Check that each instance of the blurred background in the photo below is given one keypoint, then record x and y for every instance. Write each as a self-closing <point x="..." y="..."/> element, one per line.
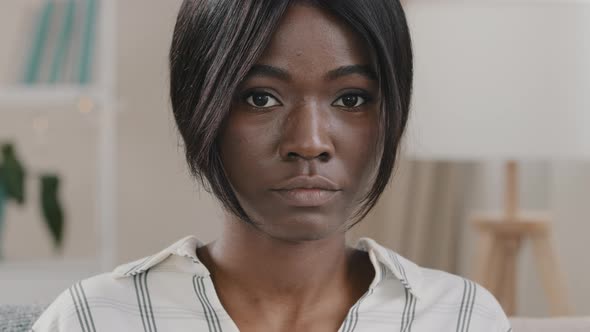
<point x="499" y="133"/>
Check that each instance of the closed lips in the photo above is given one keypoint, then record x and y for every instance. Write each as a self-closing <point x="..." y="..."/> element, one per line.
<point x="307" y="182"/>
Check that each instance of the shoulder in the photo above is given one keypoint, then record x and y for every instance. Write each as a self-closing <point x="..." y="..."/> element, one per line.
<point x="116" y="292"/>
<point x="73" y="304"/>
<point x="439" y="295"/>
<point x="471" y="304"/>
<point x="445" y="286"/>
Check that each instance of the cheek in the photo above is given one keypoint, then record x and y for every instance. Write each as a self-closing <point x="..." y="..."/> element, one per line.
<point x="244" y="148"/>
<point x="358" y="149"/>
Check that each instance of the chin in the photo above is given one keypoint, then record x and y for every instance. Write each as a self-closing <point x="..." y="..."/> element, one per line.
<point x="300" y="228"/>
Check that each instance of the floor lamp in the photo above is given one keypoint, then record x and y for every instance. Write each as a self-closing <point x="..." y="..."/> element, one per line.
<point x="503" y="81"/>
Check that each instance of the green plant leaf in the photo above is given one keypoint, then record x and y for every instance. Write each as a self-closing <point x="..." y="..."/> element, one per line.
<point x="13" y="174"/>
<point x="51" y="207"/>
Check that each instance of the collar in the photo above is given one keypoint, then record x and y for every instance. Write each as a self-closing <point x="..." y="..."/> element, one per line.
<point x="185" y="247"/>
<point x="384" y="261"/>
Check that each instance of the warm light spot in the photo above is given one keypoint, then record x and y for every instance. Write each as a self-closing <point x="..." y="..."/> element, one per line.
<point x="85" y="105"/>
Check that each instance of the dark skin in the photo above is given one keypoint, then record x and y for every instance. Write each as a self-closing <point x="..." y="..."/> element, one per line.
<point x="291" y="270"/>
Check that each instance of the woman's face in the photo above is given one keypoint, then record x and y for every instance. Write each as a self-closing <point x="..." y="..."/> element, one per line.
<point x="308" y="109"/>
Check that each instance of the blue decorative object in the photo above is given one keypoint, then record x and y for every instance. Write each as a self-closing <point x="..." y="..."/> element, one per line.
<point x="38" y="46"/>
<point x="87" y="42"/>
<point x="63" y="42"/>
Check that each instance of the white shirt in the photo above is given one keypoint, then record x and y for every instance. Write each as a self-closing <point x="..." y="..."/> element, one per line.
<point x="173" y="291"/>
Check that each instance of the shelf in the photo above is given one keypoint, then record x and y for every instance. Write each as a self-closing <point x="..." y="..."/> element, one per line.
<point x="23" y="282"/>
<point x="33" y="97"/>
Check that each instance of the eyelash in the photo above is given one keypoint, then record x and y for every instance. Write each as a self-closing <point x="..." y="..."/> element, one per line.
<point x="367" y="99"/>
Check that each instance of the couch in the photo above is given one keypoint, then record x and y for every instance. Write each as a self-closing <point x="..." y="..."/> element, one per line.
<point x="19" y="318"/>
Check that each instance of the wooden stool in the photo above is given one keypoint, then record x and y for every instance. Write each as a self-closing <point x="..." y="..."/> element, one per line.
<point x="499" y="245"/>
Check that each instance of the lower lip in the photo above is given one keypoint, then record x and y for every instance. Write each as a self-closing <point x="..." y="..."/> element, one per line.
<point x="306" y="197"/>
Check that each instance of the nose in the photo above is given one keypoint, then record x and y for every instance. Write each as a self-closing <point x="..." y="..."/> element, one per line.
<point x="305" y="135"/>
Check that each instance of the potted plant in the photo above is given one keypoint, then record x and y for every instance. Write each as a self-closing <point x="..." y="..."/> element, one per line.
<point x="12" y="188"/>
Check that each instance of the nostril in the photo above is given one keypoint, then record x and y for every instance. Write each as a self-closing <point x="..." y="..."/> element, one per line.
<point x="324" y="156"/>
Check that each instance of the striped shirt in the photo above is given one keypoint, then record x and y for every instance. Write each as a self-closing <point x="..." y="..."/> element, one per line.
<point x="173" y="291"/>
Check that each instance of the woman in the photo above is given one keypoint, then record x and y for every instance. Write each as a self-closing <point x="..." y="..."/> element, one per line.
<point x="291" y="113"/>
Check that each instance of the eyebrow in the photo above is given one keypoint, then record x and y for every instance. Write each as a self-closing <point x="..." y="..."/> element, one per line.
<point x="364" y="70"/>
<point x="281" y="74"/>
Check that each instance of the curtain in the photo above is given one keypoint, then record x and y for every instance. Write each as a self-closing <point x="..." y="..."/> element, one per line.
<point x="421" y="213"/>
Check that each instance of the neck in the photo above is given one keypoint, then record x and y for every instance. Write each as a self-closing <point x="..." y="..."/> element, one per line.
<point x="265" y="269"/>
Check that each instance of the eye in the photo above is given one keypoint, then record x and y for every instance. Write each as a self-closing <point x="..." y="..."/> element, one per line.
<point x="261" y="100"/>
<point x="350" y="101"/>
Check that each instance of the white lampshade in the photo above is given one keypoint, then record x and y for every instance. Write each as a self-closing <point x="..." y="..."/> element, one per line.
<point x="500" y="80"/>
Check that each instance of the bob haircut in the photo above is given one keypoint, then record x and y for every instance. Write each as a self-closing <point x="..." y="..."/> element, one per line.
<point x="216" y="42"/>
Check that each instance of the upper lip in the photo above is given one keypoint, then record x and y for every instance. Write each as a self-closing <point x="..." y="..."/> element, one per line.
<point x="308" y="182"/>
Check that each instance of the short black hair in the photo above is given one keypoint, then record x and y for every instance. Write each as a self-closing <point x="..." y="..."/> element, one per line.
<point x="216" y="42"/>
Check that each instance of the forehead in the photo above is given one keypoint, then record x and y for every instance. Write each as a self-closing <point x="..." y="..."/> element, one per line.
<point x="310" y="38"/>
